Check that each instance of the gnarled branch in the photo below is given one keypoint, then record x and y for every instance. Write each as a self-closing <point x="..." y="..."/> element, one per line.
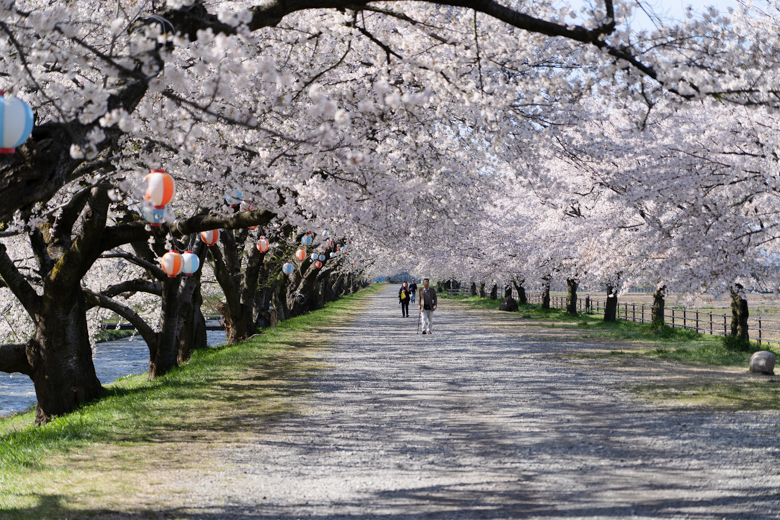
<point x="13" y="358"/>
<point x="99" y="300"/>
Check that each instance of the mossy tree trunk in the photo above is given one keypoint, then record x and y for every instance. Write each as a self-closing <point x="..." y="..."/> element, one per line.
<point x="238" y="283"/>
<point x="546" y="292"/>
<point x="494" y="292"/>
<point x="739" y="313"/>
<point x="522" y="298"/>
<point x="571" y="296"/>
<point x="59" y="356"/>
<point x="611" y="305"/>
<point x="659" y="298"/>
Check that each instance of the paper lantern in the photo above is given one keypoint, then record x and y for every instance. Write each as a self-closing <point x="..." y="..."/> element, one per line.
<point x="153" y="216"/>
<point x="332" y="255"/>
<point x="300" y="254"/>
<point x="306" y="240"/>
<point x="210" y="237"/>
<point x="160" y="188"/>
<point x="16" y="123"/>
<point x="171" y="263"/>
<point x="325" y="233"/>
<point x="317" y="264"/>
<point x="190" y="263"/>
<point x="288" y="268"/>
<point x="234" y="198"/>
<point x="245" y="206"/>
<point x="262" y="245"/>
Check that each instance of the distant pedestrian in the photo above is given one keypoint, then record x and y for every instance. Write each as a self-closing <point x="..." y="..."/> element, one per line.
<point x="427" y="305"/>
<point x="413" y="290"/>
<point x="403" y="298"/>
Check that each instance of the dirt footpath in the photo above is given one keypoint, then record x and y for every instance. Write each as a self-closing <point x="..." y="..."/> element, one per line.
<point x="479" y="420"/>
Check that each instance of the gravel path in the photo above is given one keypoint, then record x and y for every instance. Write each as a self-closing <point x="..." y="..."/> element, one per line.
<point x="472" y="422"/>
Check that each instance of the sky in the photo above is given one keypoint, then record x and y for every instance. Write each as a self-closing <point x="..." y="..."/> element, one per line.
<point x="674" y="9"/>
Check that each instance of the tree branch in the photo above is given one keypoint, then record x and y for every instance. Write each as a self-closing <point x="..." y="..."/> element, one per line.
<point x="43" y="164"/>
<point x="13" y="358"/>
<point x="133" y="286"/>
<point x="17" y="283"/>
<point x="121" y="234"/>
<point x="153" y="269"/>
<point x="99" y="300"/>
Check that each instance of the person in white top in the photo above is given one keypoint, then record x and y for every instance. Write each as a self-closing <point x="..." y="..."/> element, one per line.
<point x="427" y="305"/>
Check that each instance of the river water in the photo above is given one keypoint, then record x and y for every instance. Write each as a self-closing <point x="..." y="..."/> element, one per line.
<point x="113" y="359"/>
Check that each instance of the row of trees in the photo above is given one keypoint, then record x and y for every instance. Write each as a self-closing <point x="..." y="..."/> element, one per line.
<point x="470" y="140"/>
<point x="79" y="261"/>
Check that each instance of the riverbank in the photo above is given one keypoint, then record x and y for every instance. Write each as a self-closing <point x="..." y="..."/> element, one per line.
<point x="112" y="335"/>
<point x="131" y="442"/>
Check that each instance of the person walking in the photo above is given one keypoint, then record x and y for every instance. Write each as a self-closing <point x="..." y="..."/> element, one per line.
<point x="427" y="305"/>
<point x="413" y="289"/>
<point x="403" y="298"/>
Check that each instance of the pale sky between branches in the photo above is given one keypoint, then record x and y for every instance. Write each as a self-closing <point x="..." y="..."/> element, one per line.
<point x="667" y="9"/>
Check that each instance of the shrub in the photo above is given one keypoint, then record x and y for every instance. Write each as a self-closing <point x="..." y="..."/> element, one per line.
<point x="736" y="344"/>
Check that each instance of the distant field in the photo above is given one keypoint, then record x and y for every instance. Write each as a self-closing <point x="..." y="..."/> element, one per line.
<point x="765" y="307"/>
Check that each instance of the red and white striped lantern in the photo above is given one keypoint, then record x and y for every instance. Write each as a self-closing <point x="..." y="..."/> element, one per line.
<point x="210" y="237"/>
<point x="172" y="263"/>
<point x="317" y="264"/>
<point x="300" y="254"/>
<point x="262" y="245"/>
<point x="160" y="188"/>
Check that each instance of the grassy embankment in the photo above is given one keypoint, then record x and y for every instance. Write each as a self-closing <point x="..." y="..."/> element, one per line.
<point x="728" y="385"/>
<point x="107" y="454"/>
<point x="112" y="334"/>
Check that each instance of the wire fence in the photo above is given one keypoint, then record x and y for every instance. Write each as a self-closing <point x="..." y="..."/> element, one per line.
<point x="767" y="330"/>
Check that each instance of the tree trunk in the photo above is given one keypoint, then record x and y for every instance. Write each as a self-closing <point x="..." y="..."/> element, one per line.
<point x="546" y="292"/>
<point x="192" y="331"/>
<point x="610" y="307"/>
<point x="522" y="298"/>
<point x="238" y="287"/>
<point x="473" y="289"/>
<point x="482" y="293"/>
<point x="571" y="296"/>
<point x="494" y="292"/>
<point x="281" y="308"/>
<point x="304" y="292"/>
<point x="61" y="357"/>
<point x="739" y="313"/>
<point x="658" y="306"/>
<point x="164" y="353"/>
<point x="507" y="291"/>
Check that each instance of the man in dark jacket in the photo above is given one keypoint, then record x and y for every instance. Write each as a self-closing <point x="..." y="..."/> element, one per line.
<point x="427" y="305"/>
<point x="413" y="289"/>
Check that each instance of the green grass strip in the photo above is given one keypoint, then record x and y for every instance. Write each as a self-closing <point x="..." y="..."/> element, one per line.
<point x="675" y="344"/>
<point x="203" y="395"/>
